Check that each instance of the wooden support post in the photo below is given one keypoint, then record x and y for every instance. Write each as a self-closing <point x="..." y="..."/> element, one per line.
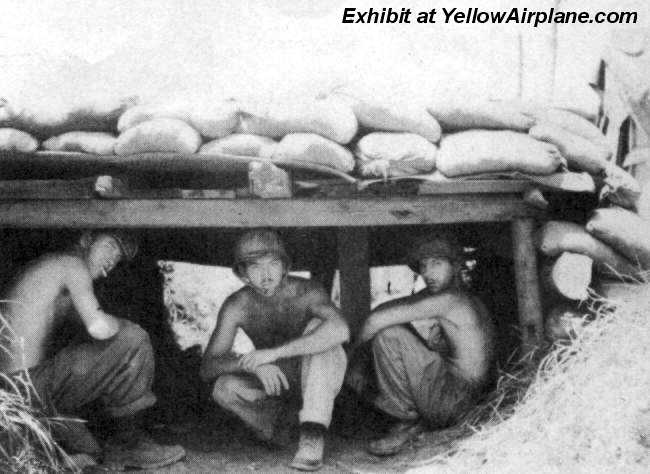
<point x="531" y="319"/>
<point x="354" y="270"/>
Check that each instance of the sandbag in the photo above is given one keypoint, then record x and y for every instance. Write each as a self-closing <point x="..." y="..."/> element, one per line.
<point x="162" y="135"/>
<point x="99" y="143"/>
<point x="241" y="144"/>
<point x="332" y="119"/>
<point x="212" y="120"/>
<point x="581" y="154"/>
<point x="625" y="231"/>
<point x="50" y="116"/>
<point x="569" y="275"/>
<point x="482" y="151"/>
<point x="17" y="140"/>
<point x="620" y="188"/>
<point x="570" y="122"/>
<point x="311" y="148"/>
<point x="383" y="154"/>
<point x="556" y="237"/>
<point x="392" y="115"/>
<point x="495" y="115"/>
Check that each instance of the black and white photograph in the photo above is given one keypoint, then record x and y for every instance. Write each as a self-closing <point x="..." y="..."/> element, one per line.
<point x="325" y="236"/>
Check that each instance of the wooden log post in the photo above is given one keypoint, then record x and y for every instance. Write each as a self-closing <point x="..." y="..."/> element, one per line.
<point x="531" y="319"/>
<point x="354" y="267"/>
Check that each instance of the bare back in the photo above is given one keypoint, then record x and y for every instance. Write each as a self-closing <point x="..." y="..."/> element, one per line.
<point x="36" y="302"/>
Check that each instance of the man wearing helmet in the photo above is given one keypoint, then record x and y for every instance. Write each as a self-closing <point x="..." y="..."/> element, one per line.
<point x="110" y="361"/>
<point x="297" y="333"/>
<point x="426" y="378"/>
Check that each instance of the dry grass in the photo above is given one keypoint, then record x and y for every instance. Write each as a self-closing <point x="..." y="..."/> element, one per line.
<point x="26" y="443"/>
<point x="585" y="408"/>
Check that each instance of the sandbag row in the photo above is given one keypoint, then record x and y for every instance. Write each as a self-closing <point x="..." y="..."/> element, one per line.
<point x="348" y="131"/>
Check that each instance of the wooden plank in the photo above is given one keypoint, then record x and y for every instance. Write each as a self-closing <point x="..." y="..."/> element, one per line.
<point x="162" y="213"/>
<point x="354" y="267"/>
<point x="48" y="189"/>
<point x="474" y="186"/>
<point x="529" y="302"/>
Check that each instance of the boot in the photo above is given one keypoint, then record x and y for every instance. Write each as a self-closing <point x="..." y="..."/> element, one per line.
<point x="130" y="447"/>
<point x="397" y="438"/>
<point x="311" y="445"/>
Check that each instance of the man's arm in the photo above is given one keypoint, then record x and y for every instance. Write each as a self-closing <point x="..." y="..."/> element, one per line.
<point x="332" y="332"/>
<point x="99" y="324"/>
<point x="219" y="358"/>
<point x="404" y="310"/>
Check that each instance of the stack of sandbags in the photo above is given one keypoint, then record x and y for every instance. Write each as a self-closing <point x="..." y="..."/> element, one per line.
<point x="84" y="124"/>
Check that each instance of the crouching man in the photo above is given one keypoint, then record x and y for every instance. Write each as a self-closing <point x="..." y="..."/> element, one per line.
<point x="297" y="333"/>
<point x="110" y="361"/>
<point x="431" y="351"/>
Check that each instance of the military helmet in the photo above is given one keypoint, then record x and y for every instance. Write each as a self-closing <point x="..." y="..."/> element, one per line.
<point x="255" y="244"/>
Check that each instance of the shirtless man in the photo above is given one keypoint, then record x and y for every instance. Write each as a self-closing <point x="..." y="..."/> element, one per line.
<point x="297" y="334"/>
<point x="110" y="362"/>
<point x="427" y="380"/>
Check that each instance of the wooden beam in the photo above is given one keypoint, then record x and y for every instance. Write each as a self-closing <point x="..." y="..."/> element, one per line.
<point x="529" y="303"/>
<point x="193" y="213"/>
<point x="354" y="267"/>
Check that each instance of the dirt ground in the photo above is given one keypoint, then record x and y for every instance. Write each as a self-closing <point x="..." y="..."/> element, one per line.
<point x="218" y="444"/>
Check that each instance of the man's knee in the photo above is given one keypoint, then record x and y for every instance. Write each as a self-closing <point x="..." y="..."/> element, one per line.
<point x="132" y="343"/>
<point x="226" y="390"/>
<point x="390" y="336"/>
<point x="132" y="335"/>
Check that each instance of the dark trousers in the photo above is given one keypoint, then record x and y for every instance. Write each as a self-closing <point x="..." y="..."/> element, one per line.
<point x="118" y="372"/>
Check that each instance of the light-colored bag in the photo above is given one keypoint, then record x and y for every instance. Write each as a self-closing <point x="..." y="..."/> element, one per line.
<point x="241" y="144"/>
<point x="625" y="231"/>
<point x="570" y="122"/>
<point x="311" y="148"/>
<point x="581" y="153"/>
<point x="331" y="119"/>
<point x="483" y="151"/>
<point x="53" y="116"/>
<point x="99" y="143"/>
<point x="392" y="115"/>
<point x="160" y="135"/>
<point x="17" y="140"/>
<point x="211" y="120"/>
<point x="556" y="237"/>
<point x="459" y="115"/>
<point x="385" y="154"/>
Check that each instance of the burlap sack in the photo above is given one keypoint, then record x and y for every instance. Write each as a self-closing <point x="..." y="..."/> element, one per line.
<point x="384" y="154"/>
<point x="392" y="115"/>
<point x="50" y="116"/>
<point x="241" y="144"/>
<point x="17" y="140"/>
<point x="211" y="120"/>
<point x="312" y="148"/>
<point x="581" y="153"/>
<point x="495" y="115"/>
<point x="99" y="143"/>
<point x="332" y="119"/>
<point x="556" y="237"/>
<point x="482" y="151"/>
<point x="625" y="231"/>
<point x="620" y="188"/>
<point x="160" y="135"/>
<point x="570" y="122"/>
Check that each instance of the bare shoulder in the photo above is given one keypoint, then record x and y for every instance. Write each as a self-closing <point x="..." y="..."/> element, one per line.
<point x="238" y="301"/>
<point x="59" y="264"/>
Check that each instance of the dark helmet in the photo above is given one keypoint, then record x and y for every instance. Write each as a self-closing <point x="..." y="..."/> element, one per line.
<point x="127" y="241"/>
<point x="255" y="244"/>
<point x="436" y="245"/>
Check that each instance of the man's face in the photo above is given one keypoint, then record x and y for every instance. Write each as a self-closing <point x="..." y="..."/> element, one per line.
<point x="437" y="272"/>
<point x="103" y="255"/>
<point x="264" y="274"/>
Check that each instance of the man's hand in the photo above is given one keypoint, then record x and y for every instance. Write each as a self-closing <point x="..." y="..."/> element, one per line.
<point x="272" y="378"/>
<point x="437" y="340"/>
<point x="104" y="326"/>
<point x="257" y="358"/>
